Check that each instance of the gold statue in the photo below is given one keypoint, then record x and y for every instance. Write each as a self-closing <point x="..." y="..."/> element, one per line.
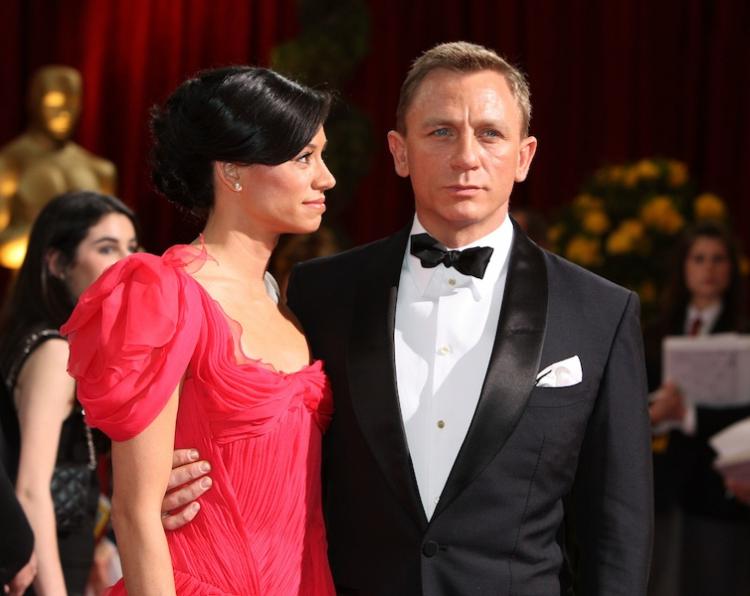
<point x="43" y="162"/>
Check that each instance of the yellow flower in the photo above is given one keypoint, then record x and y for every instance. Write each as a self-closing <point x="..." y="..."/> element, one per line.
<point x="659" y="443"/>
<point x="631" y="177"/>
<point x="673" y="223"/>
<point x="616" y="173"/>
<point x="646" y="169"/>
<point x="626" y="238"/>
<point x="554" y="233"/>
<point x="677" y="173"/>
<point x="709" y="206"/>
<point x="583" y="250"/>
<point x="596" y="222"/>
<point x="660" y="214"/>
<point x="632" y="228"/>
<point x="619" y="243"/>
<point x="585" y="202"/>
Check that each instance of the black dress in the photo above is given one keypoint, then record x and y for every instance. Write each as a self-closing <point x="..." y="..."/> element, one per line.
<point x="18" y="540"/>
<point x="76" y="545"/>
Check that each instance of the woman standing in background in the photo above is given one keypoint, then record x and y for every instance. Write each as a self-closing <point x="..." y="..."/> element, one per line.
<point x="73" y="240"/>
<point x="702" y="532"/>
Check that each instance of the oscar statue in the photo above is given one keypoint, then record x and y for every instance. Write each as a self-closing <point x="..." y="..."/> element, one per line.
<point x="44" y="162"/>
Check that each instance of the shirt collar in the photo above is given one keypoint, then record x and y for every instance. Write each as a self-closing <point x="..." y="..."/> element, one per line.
<point x="708" y="317"/>
<point x="429" y="281"/>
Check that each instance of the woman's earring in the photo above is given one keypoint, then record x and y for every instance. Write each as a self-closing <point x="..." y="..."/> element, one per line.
<point x="237" y="186"/>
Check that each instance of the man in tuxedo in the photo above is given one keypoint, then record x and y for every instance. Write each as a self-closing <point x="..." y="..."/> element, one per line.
<point x="491" y="433"/>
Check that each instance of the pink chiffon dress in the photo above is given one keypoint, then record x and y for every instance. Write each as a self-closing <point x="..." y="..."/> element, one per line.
<point x="144" y="326"/>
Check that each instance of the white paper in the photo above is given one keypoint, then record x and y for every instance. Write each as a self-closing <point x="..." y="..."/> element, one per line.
<point x="710" y="370"/>
<point x="732" y="446"/>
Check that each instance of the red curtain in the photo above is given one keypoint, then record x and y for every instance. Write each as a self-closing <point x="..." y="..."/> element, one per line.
<point x="610" y="81"/>
<point x="131" y="54"/>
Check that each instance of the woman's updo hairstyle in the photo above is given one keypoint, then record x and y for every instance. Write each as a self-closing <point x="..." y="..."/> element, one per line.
<point x="240" y="114"/>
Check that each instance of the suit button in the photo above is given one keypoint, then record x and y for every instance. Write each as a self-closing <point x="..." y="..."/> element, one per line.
<point x="430" y="548"/>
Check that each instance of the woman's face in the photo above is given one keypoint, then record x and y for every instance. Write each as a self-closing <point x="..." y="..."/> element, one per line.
<point x="707" y="269"/>
<point x="289" y="197"/>
<point x="112" y="238"/>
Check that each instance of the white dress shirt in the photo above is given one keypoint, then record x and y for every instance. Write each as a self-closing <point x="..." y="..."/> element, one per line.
<point x="445" y="329"/>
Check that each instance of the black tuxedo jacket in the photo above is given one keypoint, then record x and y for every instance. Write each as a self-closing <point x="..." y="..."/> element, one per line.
<point x="537" y="464"/>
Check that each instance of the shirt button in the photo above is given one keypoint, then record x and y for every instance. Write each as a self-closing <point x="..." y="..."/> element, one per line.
<point x="443" y="350"/>
<point x="451" y="281"/>
<point x="441" y="423"/>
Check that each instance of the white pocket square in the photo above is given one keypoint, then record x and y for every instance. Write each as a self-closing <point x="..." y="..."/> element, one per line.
<point x="561" y="374"/>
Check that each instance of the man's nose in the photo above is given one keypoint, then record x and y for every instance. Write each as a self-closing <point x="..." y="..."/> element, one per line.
<point x="465" y="155"/>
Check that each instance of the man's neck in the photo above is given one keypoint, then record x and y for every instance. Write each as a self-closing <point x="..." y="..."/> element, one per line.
<point x="457" y="236"/>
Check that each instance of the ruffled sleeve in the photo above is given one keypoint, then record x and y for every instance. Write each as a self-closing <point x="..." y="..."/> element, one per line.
<point x="131" y="337"/>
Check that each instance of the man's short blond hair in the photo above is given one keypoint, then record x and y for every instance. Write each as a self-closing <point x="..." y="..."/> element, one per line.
<point x="461" y="56"/>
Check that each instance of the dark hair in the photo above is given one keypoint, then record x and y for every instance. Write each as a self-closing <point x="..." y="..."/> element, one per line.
<point x="463" y="57"/>
<point x="240" y="114"/>
<point x="38" y="299"/>
<point x="678" y="295"/>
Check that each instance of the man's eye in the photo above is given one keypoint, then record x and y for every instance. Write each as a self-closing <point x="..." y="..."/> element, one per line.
<point x="491" y="132"/>
<point x="440" y="132"/>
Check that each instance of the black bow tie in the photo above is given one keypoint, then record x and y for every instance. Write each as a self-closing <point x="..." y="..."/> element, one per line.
<point x="471" y="261"/>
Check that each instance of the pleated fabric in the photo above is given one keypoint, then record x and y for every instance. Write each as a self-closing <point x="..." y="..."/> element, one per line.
<point x="143" y="326"/>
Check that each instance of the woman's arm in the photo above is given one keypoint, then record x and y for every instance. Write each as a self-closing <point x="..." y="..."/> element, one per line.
<point x="44" y="398"/>
<point x="141" y="472"/>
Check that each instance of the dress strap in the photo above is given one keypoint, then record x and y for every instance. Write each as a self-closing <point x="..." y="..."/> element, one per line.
<point x="30" y="343"/>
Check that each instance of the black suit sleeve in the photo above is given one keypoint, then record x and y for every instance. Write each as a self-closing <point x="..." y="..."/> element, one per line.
<point x="613" y="494"/>
<point x="17" y="543"/>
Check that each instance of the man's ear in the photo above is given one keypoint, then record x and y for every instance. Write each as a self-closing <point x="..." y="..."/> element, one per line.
<point x="526" y="153"/>
<point x="397" y="146"/>
<point x="55" y="264"/>
<point x="228" y="174"/>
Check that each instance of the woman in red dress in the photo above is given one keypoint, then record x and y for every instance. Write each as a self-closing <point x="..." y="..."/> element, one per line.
<point x="194" y="349"/>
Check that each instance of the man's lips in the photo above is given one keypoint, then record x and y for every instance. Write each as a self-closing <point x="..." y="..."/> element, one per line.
<point x="464" y="189"/>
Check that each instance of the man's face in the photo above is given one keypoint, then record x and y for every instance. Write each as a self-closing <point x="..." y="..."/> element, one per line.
<point x="463" y="151"/>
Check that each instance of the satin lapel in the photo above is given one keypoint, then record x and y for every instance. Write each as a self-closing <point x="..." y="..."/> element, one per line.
<point x="513" y="366"/>
<point x="372" y="372"/>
